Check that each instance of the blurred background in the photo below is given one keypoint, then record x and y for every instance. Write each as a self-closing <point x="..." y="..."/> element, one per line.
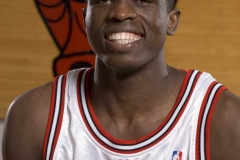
<point x="208" y="39"/>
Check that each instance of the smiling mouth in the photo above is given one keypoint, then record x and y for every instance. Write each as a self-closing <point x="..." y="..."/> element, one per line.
<point x="123" y="37"/>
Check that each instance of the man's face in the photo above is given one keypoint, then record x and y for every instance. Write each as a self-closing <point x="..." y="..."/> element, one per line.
<point x="127" y="34"/>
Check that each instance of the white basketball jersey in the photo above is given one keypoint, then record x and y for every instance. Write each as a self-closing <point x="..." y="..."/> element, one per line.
<point x="74" y="132"/>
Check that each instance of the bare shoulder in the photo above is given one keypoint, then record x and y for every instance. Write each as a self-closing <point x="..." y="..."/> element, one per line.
<point x="225" y="128"/>
<point x="25" y="124"/>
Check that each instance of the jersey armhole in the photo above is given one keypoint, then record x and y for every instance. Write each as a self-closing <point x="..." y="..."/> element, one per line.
<point x="202" y="148"/>
<point x="54" y="118"/>
<point x="209" y="120"/>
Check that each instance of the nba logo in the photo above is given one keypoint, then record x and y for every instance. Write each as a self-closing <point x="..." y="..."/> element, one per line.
<point x="177" y="155"/>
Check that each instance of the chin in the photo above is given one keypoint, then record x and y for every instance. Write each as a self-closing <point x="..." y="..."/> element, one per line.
<point x="128" y="62"/>
<point x="123" y="67"/>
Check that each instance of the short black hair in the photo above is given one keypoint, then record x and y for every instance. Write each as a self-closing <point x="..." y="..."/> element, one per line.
<point x="171" y="4"/>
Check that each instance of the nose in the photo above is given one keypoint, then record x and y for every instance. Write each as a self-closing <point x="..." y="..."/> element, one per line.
<point x="122" y="10"/>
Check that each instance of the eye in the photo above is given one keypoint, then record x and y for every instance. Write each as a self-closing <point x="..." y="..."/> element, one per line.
<point x="143" y="1"/>
<point x="105" y="1"/>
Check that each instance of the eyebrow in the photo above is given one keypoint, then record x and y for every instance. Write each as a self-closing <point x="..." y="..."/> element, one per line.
<point x="81" y="1"/>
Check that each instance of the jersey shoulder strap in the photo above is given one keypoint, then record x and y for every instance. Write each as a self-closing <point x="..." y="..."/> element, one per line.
<point x="59" y="101"/>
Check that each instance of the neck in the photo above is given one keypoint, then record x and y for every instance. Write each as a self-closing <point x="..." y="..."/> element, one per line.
<point x="133" y="94"/>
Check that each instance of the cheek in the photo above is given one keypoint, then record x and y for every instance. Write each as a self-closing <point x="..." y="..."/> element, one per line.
<point x="161" y="24"/>
<point x="156" y="34"/>
<point x="93" y="18"/>
<point x="94" y="29"/>
<point x="89" y="19"/>
<point x="159" y="29"/>
<point x="92" y="23"/>
<point x="155" y="22"/>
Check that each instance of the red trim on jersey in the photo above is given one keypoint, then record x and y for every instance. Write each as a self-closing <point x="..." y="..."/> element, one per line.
<point x="79" y="95"/>
<point x="132" y="142"/>
<point x="209" y="119"/>
<point x="60" y="116"/>
<point x="204" y="102"/>
<point x="50" y="118"/>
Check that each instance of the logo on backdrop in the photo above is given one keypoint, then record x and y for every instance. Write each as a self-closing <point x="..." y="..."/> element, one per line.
<point x="64" y="21"/>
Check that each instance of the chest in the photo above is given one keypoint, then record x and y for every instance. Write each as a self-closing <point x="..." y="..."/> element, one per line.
<point x="181" y="134"/>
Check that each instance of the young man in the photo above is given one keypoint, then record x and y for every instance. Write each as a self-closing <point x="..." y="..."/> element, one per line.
<point x="131" y="105"/>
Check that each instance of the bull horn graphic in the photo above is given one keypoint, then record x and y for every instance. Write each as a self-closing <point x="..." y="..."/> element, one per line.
<point x="64" y="21"/>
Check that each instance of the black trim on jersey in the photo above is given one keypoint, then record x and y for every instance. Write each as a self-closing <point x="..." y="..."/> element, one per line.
<point x="55" y="99"/>
<point x="205" y="151"/>
<point x="163" y="134"/>
<point x="60" y="107"/>
<point x="201" y="118"/>
<point x="180" y="111"/>
<point x="50" y="145"/>
<point x="188" y="96"/>
<point x="205" y="122"/>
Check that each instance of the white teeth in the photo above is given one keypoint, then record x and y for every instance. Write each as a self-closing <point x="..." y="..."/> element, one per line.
<point x="127" y="36"/>
<point x="111" y="36"/>
<point x="121" y="41"/>
<point x="131" y="37"/>
<point x="118" y="36"/>
<point x="123" y="37"/>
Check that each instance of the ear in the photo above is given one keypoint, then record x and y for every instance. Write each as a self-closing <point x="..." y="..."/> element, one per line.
<point x="84" y="11"/>
<point x="173" y="19"/>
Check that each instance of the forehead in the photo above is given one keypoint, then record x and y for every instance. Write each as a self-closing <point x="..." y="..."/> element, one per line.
<point x="159" y="1"/>
<point x="86" y="1"/>
<point x="160" y="5"/>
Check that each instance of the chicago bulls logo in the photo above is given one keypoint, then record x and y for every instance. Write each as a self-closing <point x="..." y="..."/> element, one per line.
<point x="64" y="21"/>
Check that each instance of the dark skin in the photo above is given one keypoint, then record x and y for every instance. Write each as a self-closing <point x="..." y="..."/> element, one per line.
<point x="139" y="87"/>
